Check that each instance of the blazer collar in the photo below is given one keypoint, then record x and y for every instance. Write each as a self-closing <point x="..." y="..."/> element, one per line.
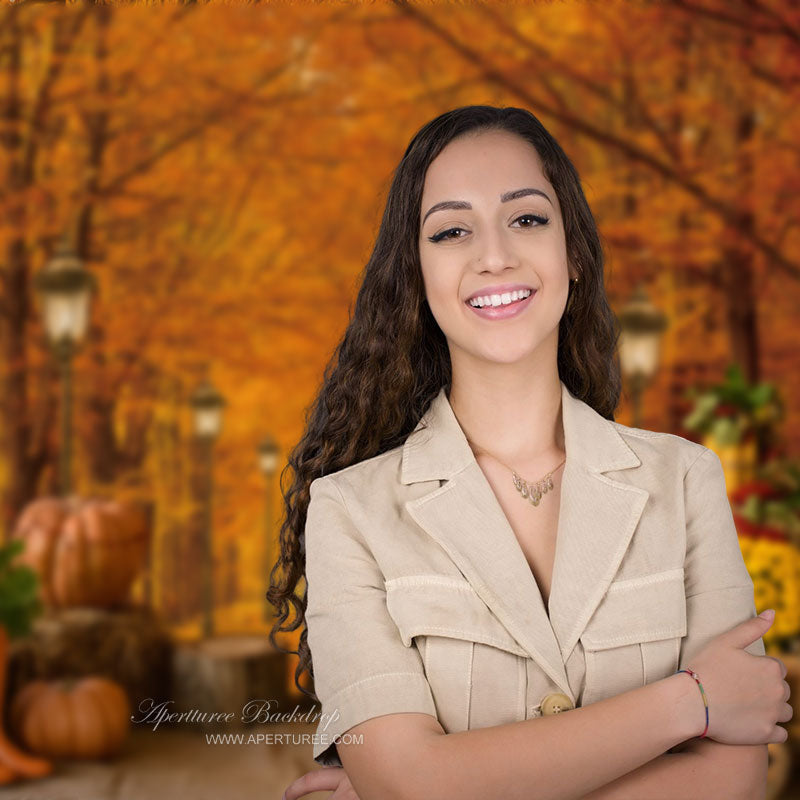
<point x="597" y="517"/>
<point x="590" y="440"/>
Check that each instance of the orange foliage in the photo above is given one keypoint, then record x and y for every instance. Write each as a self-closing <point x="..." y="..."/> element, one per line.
<point x="226" y="166"/>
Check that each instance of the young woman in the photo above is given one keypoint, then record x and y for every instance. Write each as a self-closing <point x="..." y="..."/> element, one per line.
<point x="484" y="547"/>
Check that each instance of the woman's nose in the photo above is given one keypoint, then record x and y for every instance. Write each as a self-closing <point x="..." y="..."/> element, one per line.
<point x="495" y="252"/>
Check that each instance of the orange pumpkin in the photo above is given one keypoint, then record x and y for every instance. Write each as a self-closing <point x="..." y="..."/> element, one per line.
<point x="72" y="717"/>
<point x="87" y="551"/>
<point x="14" y="763"/>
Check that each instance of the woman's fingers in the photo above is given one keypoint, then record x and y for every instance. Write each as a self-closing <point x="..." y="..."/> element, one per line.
<point x="318" y="780"/>
<point x="780" y="664"/>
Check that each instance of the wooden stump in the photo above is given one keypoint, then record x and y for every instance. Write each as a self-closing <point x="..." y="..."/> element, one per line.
<point x="223" y="675"/>
<point x="129" y="645"/>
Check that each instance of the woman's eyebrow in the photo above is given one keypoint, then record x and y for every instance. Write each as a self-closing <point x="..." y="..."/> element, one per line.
<point x="460" y="205"/>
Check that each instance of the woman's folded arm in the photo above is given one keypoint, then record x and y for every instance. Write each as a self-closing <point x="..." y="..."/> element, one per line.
<point x="703" y="769"/>
<point x="567" y="755"/>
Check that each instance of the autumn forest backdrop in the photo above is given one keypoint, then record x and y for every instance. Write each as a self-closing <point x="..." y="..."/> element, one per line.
<point x="221" y="169"/>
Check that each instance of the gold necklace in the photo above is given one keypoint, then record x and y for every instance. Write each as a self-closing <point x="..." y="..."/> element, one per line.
<point x="530" y="491"/>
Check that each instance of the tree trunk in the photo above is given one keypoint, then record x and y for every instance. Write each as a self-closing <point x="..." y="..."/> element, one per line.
<point x="738" y="262"/>
<point x="15" y="308"/>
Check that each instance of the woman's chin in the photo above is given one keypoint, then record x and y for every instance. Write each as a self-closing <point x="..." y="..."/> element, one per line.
<point x="503" y="354"/>
<point x="503" y="347"/>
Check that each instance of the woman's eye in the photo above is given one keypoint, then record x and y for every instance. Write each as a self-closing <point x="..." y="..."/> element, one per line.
<point x="444" y="235"/>
<point x="539" y="218"/>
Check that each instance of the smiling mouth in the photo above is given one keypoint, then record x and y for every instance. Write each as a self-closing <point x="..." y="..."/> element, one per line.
<point x="499" y="300"/>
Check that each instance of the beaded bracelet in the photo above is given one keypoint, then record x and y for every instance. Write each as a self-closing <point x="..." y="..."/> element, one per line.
<point x="696" y="677"/>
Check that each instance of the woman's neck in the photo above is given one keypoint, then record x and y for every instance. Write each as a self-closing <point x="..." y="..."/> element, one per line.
<point x="518" y="423"/>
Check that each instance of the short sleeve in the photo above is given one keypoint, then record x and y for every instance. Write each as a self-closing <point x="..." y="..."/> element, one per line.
<point x="719" y="589"/>
<point x="362" y="669"/>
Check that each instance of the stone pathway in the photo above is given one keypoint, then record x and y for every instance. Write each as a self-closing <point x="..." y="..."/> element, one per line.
<point x="180" y="764"/>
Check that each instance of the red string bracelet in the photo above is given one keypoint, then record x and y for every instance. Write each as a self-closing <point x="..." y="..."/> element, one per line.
<point x="691" y="673"/>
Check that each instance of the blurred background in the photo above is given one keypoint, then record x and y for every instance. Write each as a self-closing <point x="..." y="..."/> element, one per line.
<point x="189" y="193"/>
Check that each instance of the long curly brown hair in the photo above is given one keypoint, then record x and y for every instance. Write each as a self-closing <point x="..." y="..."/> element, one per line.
<point x="393" y="358"/>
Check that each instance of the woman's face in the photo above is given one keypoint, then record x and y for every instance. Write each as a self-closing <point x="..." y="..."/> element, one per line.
<point x="492" y="236"/>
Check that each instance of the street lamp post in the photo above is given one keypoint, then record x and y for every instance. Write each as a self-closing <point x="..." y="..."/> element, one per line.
<point x="65" y="290"/>
<point x="640" y="343"/>
<point x="207" y="405"/>
<point x="268" y="452"/>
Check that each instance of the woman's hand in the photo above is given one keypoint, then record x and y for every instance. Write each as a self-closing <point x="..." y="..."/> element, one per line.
<point x="320" y="780"/>
<point x="747" y="694"/>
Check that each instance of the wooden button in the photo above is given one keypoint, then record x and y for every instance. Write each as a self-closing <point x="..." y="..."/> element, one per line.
<point x="556" y="703"/>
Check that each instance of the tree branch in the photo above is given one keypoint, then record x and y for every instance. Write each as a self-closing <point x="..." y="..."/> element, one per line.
<point x="742" y="23"/>
<point x="727" y="212"/>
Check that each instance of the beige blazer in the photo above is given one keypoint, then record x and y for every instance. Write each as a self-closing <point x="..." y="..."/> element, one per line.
<point x="421" y="599"/>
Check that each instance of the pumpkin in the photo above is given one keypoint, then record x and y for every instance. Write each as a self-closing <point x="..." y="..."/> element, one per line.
<point x="87" y="551"/>
<point x="71" y="717"/>
<point x="14" y="763"/>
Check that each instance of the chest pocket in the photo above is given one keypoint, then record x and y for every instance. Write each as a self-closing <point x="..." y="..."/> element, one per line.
<point x="634" y="636"/>
<point x="475" y="668"/>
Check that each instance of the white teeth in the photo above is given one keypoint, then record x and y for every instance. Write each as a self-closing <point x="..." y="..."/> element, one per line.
<point x="499" y="299"/>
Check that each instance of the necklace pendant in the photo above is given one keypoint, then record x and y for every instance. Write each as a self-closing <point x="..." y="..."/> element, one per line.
<point x="533" y="492"/>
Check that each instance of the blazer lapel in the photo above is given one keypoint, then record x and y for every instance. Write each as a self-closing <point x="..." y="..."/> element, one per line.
<point x="597" y="517"/>
<point x="596" y="521"/>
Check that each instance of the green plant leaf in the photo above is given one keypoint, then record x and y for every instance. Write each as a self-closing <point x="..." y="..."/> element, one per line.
<point x="761" y="394"/>
<point x="751" y="508"/>
<point x="19" y="591"/>
<point x="726" y="430"/>
<point x="9" y="551"/>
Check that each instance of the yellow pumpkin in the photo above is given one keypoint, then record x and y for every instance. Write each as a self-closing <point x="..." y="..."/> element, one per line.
<point x="72" y="717"/>
<point x="87" y="551"/>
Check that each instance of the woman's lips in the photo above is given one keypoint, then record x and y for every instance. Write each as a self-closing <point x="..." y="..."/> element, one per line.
<point x="503" y="312"/>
